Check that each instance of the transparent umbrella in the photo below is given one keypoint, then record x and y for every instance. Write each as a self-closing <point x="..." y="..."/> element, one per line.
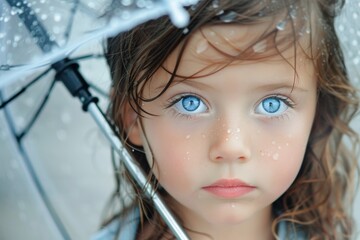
<point x="55" y="174"/>
<point x="41" y="43"/>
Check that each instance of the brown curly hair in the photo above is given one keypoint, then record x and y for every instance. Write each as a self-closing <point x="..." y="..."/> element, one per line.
<point x="320" y="199"/>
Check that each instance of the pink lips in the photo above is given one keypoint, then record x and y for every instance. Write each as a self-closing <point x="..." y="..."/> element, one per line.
<point x="229" y="188"/>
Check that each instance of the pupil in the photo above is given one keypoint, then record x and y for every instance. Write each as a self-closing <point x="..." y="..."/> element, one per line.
<point x="191" y="103"/>
<point x="271" y="105"/>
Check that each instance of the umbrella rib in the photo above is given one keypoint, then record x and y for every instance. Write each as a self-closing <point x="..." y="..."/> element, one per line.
<point x="26" y="160"/>
<point x="37" y="113"/>
<point x="23" y="89"/>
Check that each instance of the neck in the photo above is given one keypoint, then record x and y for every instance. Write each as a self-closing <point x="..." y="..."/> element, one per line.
<point x="258" y="227"/>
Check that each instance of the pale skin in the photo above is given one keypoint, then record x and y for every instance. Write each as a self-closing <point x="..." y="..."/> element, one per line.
<point x="227" y="132"/>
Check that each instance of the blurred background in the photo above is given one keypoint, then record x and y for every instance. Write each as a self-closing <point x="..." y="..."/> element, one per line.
<point x="69" y="154"/>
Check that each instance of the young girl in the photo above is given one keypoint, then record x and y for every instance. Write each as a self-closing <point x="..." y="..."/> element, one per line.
<point x="239" y="120"/>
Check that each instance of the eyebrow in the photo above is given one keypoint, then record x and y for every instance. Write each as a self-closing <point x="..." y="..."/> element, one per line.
<point x="281" y="84"/>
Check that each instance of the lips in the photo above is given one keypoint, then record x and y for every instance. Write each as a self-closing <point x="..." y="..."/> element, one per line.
<point x="229" y="188"/>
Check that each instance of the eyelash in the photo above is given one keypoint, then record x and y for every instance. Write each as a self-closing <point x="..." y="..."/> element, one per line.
<point x="286" y="100"/>
<point x="173" y="101"/>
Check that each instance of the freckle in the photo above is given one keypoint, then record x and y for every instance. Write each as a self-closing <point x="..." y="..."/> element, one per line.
<point x="202" y="46"/>
<point x="276" y="156"/>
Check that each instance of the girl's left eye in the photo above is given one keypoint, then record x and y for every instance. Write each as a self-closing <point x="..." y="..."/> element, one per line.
<point x="190" y="105"/>
<point x="273" y="106"/>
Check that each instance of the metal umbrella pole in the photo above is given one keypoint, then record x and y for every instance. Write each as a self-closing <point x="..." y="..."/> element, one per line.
<point x="67" y="72"/>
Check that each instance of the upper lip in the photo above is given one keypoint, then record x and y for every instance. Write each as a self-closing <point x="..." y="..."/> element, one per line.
<point x="228" y="183"/>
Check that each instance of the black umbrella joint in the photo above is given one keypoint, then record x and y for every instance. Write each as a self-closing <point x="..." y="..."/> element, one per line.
<point x="67" y="71"/>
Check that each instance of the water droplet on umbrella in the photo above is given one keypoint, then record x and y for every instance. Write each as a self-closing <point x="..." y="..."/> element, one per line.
<point x="61" y="134"/>
<point x="44" y="16"/>
<point x="57" y="17"/>
<point x="15" y="11"/>
<point x="2" y="34"/>
<point x="126" y="2"/>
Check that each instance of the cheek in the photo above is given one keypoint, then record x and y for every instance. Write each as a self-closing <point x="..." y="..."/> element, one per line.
<point x="174" y="151"/>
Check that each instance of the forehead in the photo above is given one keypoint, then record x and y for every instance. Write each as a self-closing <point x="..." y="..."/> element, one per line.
<point x="215" y="45"/>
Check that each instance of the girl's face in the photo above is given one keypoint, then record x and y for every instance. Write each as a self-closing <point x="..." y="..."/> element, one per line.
<point x="228" y="144"/>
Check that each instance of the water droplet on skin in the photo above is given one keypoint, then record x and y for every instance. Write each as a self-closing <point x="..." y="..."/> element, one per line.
<point x="262" y="153"/>
<point x="203" y="135"/>
<point x="260" y="47"/>
<point x="226" y="139"/>
<point x="238" y="130"/>
<point x="287" y="144"/>
<point x="202" y="46"/>
<point x="279" y="147"/>
<point x="187" y="137"/>
<point x="215" y="4"/>
<point x="275" y="156"/>
<point x="233" y="205"/>
<point x="281" y="25"/>
<point x="273" y="142"/>
<point x="228" y="131"/>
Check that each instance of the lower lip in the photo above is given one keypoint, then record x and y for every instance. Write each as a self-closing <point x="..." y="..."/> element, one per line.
<point x="229" y="192"/>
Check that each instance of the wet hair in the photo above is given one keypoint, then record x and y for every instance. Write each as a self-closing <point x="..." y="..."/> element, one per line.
<point x="319" y="200"/>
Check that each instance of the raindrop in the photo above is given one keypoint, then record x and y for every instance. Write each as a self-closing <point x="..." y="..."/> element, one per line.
<point x="356" y="61"/>
<point x="293" y="13"/>
<point x="185" y="31"/>
<point x="65" y="118"/>
<point x="15" y="10"/>
<point x="125" y="15"/>
<point x="17" y="38"/>
<point x="18" y="4"/>
<point x="281" y="25"/>
<point x="44" y="16"/>
<point x="215" y="3"/>
<point x="6" y="19"/>
<point x="126" y="2"/>
<point x="276" y="156"/>
<point x="355" y="15"/>
<point x="14" y="45"/>
<point x="42" y="1"/>
<point x="202" y="46"/>
<point x="2" y="34"/>
<point x="354" y="43"/>
<point x="57" y="17"/>
<point x="228" y="17"/>
<point x="20" y="24"/>
<point x="61" y="135"/>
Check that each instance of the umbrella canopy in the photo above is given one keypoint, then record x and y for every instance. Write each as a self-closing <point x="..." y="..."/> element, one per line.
<point x="56" y="172"/>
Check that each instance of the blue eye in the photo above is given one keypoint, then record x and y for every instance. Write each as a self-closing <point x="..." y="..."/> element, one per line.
<point x="190" y="104"/>
<point x="272" y="106"/>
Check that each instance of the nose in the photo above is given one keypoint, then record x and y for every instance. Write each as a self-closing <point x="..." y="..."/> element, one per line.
<point x="230" y="144"/>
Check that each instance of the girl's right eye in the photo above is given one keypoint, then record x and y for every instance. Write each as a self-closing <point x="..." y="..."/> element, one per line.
<point x="189" y="105"/>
